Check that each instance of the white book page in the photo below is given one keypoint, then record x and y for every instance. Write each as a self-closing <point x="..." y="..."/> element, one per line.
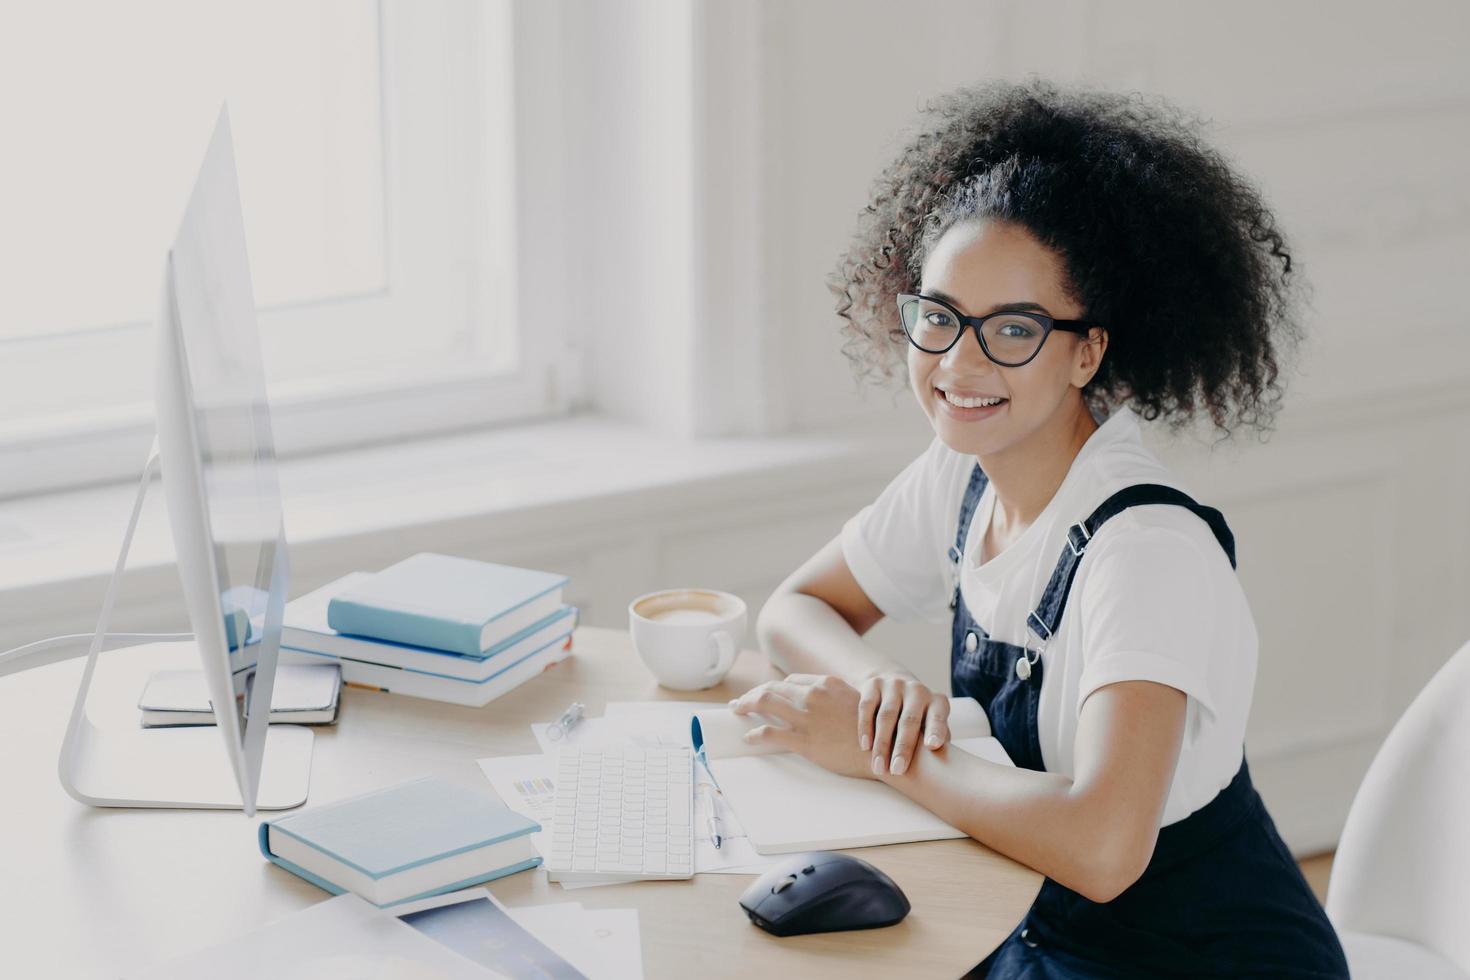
<point x="786" y="803"/>
<point x="724" y="731"/>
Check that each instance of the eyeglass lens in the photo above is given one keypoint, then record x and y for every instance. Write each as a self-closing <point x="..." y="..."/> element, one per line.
<point x="1009" y="337"/>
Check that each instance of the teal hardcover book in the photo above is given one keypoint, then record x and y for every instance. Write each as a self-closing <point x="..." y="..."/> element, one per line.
<point x="405" y="842"/>
<point x="459" y="605"/>
<point x="305" y="628"/>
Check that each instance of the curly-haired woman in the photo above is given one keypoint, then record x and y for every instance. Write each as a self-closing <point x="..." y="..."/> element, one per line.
<point x="1055" y="263"/>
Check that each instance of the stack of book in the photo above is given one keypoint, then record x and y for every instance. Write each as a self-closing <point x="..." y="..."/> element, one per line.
<point x="434" y="626"/>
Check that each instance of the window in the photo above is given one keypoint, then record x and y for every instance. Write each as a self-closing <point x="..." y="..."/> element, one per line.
<point x="374" y="143"/>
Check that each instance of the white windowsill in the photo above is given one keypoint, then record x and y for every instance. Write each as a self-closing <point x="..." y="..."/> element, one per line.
<point x="513" y="480"/>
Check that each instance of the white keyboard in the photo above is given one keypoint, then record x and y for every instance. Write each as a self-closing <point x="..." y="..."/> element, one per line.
<point x="622" y="813"/>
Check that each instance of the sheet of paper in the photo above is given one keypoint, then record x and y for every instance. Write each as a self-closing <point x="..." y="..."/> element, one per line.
<point x="615" y="708"/>
<point x="603" y="943"/>
<point x="332" y="940"/>
<point x="649" y="723"/>
<point x="788" y="803"/>
<point x="571" y="886"/>
<point x="650" y="729"/>
<point x="523" y="783"/>
<point x="482" y="931"/>
<point x="560" y="924"/>
<point x="736" y="854"/>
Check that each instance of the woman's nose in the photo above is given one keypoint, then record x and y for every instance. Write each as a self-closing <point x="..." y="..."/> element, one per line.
<point x="968" y="352"/>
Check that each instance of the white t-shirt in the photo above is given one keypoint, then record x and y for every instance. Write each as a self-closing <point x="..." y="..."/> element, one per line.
<point x="1154" y="597"/>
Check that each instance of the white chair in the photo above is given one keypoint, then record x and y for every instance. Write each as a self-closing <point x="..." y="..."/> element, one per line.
<point x="1399" y="894"/>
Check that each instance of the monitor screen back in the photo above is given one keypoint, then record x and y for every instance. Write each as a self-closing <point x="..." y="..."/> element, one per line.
<point x="218" y="455"/>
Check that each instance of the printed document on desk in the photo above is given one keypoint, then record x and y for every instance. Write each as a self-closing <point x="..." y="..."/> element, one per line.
<point x="341" y="937"/>
<point x="483" y="931"/>
<point x="787" y="803"/>
<point x="605" y="944"/>
<point x="524" y="783"/>
<point x="644" y="724"/>
<point x="600" y="944"/>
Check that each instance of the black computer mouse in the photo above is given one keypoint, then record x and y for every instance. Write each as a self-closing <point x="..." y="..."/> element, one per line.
<point x="823" y="891"/>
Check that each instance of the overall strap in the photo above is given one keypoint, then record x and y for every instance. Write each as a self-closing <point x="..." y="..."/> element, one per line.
<point x="976" y="487"/>
<point x="1047" y="616"/>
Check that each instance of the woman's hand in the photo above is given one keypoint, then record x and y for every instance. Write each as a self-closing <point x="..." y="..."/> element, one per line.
<point x="817" y="712"/>
<point x="892" y="710"/>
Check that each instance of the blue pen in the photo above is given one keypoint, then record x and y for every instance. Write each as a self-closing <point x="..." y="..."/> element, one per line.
<point x="715" y="836"/>
<point x="704" y="761"/>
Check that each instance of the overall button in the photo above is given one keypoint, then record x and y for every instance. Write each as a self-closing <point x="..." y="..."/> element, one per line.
<point x="1025" y="938"/>
<point x="971" y="642"/>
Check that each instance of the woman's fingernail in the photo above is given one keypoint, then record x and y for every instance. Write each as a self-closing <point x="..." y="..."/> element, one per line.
<point x="865" y="742"/>
<point x="877" y="766"/>
<point x="898" y="766"/>
<point x="932" y="741"/>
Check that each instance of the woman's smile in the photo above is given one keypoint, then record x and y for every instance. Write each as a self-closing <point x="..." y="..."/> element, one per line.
<point x="972" y="408"/>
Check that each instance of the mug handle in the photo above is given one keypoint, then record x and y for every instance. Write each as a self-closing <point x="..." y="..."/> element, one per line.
<point x="725" y="655"/>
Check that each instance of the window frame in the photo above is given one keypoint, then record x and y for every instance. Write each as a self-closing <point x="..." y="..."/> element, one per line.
<point x="451" y="253"/>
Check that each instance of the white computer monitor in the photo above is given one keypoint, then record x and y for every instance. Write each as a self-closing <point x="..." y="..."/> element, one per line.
<point x="217" y="454"/>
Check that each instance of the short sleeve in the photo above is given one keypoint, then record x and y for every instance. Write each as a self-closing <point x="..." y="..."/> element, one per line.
<point x="1147" y="613"/>
<point x="896" y="547"/>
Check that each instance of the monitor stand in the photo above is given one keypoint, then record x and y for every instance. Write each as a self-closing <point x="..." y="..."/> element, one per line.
<point x="189" y="768"/>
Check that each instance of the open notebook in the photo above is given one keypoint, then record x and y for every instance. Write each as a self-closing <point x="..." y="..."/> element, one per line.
<point x="787" y="803"/>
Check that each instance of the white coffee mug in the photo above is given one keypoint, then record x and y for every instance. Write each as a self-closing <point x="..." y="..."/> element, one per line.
<point x="688" y="638"/>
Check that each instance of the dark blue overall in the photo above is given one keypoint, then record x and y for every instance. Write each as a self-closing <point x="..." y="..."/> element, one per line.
<point x="1221" y="895"/>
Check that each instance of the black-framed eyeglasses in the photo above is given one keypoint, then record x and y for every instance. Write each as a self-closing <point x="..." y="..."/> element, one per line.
<point x="1010" y="338"/>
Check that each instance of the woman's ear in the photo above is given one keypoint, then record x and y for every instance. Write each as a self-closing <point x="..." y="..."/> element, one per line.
<point x="1088" y="356"/>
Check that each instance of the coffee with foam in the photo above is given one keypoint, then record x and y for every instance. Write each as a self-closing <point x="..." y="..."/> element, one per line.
<point x="688" y="638"/>
<point x="685" y="616"/>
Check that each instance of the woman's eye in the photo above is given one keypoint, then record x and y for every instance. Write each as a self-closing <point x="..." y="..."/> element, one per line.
<point x="938" y="319"/>
<point x="1014" y="329"/>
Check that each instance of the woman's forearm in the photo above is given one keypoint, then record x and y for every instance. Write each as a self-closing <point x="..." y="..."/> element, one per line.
<point x="804" y="635"/>
<point x="1094" y="837"/>
<point x="1085" y="842"/>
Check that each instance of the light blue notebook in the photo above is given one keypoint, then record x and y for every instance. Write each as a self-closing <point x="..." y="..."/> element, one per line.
<point x="460" y="605"/>
<point x="405" y="842"/>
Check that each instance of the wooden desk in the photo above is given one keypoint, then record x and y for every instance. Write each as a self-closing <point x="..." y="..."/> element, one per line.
<point x="110" y="892"/>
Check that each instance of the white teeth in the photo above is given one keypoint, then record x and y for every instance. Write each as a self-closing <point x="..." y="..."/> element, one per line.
<point x="971" y="402"/>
